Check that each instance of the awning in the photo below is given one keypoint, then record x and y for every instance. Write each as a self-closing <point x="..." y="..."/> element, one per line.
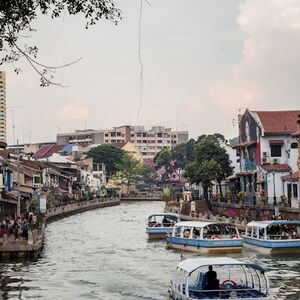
<point x="276" y="142"/>
<point x="243" y="145"/>
<point x="277" y="167"/>
<point x="245" y="173"/>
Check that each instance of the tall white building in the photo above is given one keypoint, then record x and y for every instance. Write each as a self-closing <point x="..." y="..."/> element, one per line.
<point x="2" y="107"/>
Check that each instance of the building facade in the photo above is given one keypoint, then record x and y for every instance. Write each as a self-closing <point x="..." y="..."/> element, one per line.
<point x="268" y="154"/>
<point x="3" y="134"/>
<point x="148" y="142"/>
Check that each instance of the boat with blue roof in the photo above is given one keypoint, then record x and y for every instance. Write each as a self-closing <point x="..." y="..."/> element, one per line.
<point x="161" y="224"/>
<point x="205" y="237"/>
<point x="273" y="237"/>
<point x="219" y="278"/>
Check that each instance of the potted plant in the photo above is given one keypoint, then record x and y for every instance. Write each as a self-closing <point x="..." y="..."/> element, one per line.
<point x="283" y="199"/>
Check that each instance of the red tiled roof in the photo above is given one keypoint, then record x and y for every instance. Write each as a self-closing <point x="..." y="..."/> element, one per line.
<point x="32" y="164"/>
<point x="277" y="167"/>
<point x="279" y="121"/>
<point x="294" y="177"/>
<point x="119" y="145"/>
<point x="42" y="151"/>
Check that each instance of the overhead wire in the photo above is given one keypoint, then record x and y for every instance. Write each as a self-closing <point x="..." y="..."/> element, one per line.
<point x="140" y="61"/>
<point x="140" y="58"/>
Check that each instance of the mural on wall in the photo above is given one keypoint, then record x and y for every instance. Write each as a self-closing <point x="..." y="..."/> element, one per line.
<point x="249" y="129"/>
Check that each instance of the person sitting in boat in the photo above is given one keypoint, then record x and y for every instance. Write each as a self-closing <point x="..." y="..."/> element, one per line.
<point x="211" y="282"/>
<point x="166" y="222"/>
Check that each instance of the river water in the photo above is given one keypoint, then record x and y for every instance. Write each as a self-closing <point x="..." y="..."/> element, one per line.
<point x="104" y="254"/>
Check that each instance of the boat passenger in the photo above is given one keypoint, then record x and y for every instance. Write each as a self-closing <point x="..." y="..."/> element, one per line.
<point x="211" y="282"/>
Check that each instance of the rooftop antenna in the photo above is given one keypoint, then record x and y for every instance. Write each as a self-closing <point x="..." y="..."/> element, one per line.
<point x="13" y="108"/>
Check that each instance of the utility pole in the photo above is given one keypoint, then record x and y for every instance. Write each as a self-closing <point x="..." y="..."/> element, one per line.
<point x="13" y="108"/>
<point x="18" y="183"/>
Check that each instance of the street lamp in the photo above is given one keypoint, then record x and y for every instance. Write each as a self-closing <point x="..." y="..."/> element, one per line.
<point x="274" y="197"/>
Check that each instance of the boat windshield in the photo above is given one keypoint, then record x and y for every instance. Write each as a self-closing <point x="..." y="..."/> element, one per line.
<point x="162" y="220"/>
<point x="227" y="281"/>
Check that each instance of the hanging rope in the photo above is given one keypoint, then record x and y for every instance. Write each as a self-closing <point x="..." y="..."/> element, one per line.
<point x="140" y="61"/>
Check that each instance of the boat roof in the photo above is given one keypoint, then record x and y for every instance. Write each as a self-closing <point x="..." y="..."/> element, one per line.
<point x="201" y="224"/>
<point x="164" y="214"/>
<point x="264" y="224"/>
<point x="190" y="265"/>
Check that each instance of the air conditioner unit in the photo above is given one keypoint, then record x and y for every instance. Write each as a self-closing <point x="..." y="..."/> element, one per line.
<point x="265" y="160"/>
<point x="275" y="161"/>
<point x="265" y="154"/>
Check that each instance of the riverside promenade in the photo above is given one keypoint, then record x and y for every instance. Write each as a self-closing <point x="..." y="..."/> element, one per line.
<point x="19" y="248"/>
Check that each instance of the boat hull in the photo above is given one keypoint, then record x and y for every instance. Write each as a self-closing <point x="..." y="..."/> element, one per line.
<point x="273" y="246"/>
<point x="205" y="246"/>
<point x="155" y="233"/>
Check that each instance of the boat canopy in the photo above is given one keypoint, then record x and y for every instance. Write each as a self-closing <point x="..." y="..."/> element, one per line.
<point x="201" y="224"/>
<point x="265" y="224"/>
<point x="190" y="265"/>
<point x="164" y="214"/>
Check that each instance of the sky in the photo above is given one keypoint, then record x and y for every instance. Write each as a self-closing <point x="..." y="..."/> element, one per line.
<point x="204" y="62"/>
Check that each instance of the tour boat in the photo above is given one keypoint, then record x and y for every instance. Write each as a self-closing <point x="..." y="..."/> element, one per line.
<point x="273" y="237"/>
<point x="228" y="279"/>
<point x="161" y="224"/>
<point x="205" y="237"/>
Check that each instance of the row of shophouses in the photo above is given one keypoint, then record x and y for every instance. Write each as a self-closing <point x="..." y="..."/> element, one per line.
<point x="266" y="159"/>
<point x="57" y="175"/>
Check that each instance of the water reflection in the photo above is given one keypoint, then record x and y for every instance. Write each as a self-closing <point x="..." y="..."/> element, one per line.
<point x="104" y="254"/>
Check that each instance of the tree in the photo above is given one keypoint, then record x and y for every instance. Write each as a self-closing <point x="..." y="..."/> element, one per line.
<point x="211" y="162"/>
<point x="17" y="16"/>
<point x="107" y="154"/>
<point x="130" y="169"/>
<point x="164" y="160"/>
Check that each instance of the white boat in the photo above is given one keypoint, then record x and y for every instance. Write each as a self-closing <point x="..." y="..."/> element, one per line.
<point x="228" y="279"/>
<point x="161" y="224"/>
<point x="205" y="237"/>
<point x="273" y="237"/>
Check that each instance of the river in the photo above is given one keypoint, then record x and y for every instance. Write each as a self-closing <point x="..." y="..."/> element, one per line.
<point x="104" y="254"/>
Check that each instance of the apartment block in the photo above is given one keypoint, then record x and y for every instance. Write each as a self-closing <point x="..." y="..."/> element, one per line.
<point x="2" y="107"/>
<point x="148" y="142"/>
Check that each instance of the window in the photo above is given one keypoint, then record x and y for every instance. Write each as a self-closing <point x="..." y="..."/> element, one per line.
<point x="159" y="135"/>
<point x="275" y="150"/>
<point x="118" y="133"/>
<point x="159" y="141"/>
<point x="113" y="133"/>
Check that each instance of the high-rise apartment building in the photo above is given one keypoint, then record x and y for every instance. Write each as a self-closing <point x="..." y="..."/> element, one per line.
<point x="147" y="141"/>
<point x="2" y="107"/>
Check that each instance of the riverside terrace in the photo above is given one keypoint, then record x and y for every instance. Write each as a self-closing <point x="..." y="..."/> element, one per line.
<point x="10" y="247"/>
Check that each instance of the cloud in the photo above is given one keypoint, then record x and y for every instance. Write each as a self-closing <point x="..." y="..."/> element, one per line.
<point x="74" y="112"/>
<point x="267" y="77"/>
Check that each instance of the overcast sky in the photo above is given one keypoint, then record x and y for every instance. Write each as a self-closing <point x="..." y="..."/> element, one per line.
<point x="203" y="61"/>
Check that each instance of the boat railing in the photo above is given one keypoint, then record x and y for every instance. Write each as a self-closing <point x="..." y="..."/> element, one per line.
<point x="282" y="237"/>
<point x="229" y="293"/>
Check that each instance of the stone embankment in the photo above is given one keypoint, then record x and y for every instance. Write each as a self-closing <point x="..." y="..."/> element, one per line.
<point x="10" y="247"/>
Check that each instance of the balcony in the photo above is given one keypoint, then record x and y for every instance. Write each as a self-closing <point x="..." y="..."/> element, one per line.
<point x="248" y="165"/>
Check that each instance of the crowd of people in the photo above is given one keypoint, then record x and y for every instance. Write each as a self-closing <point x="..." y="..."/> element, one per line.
<point x="18" y="227"/>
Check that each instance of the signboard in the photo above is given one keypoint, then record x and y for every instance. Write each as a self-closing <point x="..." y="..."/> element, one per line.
<point x="42" y="204"/>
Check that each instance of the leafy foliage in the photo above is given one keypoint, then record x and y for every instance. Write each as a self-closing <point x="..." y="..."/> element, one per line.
<point x="164" y="159"/>
<point x="211" y="161"/>
<point x="17" y="16"/>
<point x="108" y="155"/>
